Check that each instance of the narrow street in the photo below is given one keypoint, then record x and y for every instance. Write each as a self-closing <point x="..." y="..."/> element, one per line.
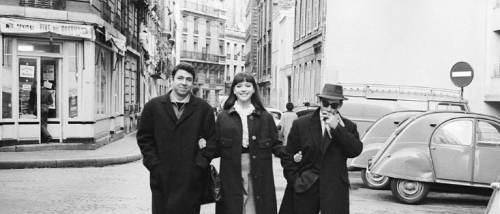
<point x="124" y="188"/>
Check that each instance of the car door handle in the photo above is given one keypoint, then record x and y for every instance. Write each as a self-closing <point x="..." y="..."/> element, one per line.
<point x="433" y="148"/>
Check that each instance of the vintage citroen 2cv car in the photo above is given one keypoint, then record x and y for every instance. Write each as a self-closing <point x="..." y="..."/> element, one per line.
<point x="436" y="149"/>
<point x="373" y="139"/>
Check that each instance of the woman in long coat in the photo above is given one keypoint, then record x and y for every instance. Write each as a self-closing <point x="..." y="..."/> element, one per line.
<point x="247" y="138"/>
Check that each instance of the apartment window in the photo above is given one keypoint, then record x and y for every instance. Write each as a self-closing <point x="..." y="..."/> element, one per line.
<point x="221" y="49"/>
<point x="243" y="49"/>
<point x="235" y="52"/>
<point x="208" y="28"/>
<point x="297" y="19"/>
<point x="195" y="25"/>
<point x="195" y="46"/>
<point x="309" y="15"/>
<point x="234" y="71"/>
<point x="228" y="54"/>
<point x="315" y="14"/>
<point x="184" y="42"/>
<point x="221" y="29"/>
<point x="207" y="76"/>
<point x="242" y="68"/>
<point x="184" y="24"/>
<point x="303" y="18"/>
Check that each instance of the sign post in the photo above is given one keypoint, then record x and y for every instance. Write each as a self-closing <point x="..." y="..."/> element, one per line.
<point x="461" y="75"/>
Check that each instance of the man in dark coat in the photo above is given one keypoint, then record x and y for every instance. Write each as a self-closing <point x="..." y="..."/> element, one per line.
<point x="168" y="135"/>
<point x="319" y="182"/>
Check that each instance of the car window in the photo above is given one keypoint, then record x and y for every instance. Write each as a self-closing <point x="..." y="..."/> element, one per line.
<point x="488" y="134"/>
<point x="276" y="115"/>
<point x="450" y="106"/>
<point x="454" y="133"/>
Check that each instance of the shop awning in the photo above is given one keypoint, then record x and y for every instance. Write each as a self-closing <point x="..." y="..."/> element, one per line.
<point x="10" y="25"/>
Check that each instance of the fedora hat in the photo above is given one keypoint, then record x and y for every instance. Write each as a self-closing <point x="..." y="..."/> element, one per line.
<point x="332" y="92"/>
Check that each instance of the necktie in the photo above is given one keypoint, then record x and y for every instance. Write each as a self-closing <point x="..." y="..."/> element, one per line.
<point x="179" y="106"/>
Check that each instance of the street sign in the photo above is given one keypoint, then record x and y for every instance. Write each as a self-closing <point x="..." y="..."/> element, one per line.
<point x="461" y="74"/>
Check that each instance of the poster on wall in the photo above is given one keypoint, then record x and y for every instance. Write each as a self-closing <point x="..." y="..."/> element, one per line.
<point x="27" y="71"/>
<point x="48" y="72"/>
<point x="73" y="106"/>
<point x="53" y="94"/>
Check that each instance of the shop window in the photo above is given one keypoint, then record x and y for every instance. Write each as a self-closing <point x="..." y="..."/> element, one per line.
<point x="7" y="79"/>
<point x="28" y="88"/>
<point x="50" y="72"/>
<point x="102" y="72"/>
<point x="73" y="83"/>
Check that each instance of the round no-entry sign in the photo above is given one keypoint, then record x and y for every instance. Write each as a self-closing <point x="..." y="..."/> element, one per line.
<point x="461" y="74"/>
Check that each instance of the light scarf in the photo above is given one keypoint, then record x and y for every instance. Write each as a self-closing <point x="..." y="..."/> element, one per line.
<point x="244" y="121"/>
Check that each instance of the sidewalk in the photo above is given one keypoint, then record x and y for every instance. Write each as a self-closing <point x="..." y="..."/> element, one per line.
<point x="121" y="151"/>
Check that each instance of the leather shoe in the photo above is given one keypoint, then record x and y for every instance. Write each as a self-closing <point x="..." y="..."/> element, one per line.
<point x="48" y="139"/>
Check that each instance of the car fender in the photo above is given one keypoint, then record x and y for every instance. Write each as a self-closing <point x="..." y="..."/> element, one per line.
<point x="408" y="163"/>
<point x="369" y="150"/>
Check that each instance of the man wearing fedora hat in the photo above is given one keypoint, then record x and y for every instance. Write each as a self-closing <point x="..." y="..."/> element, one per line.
<point x="319" y="182"/>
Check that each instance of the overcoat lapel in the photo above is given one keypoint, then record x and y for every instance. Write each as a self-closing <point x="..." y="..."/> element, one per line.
<point x="315" y="129"/>
<point x="167" y="106"/>
<point x="188" y="109"/>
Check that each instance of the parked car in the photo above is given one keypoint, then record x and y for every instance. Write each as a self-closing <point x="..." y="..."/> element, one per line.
<point x="373" y="139"/>
<point x="368" y="102"/>
<point x="276" y="115"/>
<point x="494" y="204"/>
<point x="304" y="110"/>
<point x="440" y="149"/>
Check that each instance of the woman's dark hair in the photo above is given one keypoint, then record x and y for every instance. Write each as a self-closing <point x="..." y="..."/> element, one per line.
<point x="255" y="99"/>
<point x="184" y="66"/>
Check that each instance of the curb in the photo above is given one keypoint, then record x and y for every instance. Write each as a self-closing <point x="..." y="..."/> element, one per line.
<point x="61" y="163"/>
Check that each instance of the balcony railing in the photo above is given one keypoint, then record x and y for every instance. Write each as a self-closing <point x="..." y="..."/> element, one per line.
<point x="218" y="80"/>
<point x="200" y="8"/>
<point x="47" y="4"/>
<point x="200" y="56"/>
<point x="207" y="80"/>
<point x="222" y="59"/>
<point x="228" y="78"/>
<point x="228" y="56"/>
<point x="235" y="57"/>
<point x="106" y="12"/>
<point x="244" y="58"/>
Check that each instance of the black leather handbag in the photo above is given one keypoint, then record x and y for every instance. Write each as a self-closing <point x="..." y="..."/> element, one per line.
<point x="211" y="186"/>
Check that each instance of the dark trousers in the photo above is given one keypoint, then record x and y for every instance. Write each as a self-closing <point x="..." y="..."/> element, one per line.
<point x="307" y="202"/>
<point x="45" y="133"/>
<point x="159" y="202"/>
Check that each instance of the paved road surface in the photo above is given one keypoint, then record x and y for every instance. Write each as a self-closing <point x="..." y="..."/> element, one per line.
<point x="124" y="188"/>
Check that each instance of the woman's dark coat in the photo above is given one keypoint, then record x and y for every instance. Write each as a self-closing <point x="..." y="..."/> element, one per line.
<point x="263" y="142"/>
<point x="306" y="132"/>
<point x="171" y="151"/>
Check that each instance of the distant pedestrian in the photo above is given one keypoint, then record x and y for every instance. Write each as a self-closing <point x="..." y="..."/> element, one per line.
<point x="246" y="141"/>
<point x="319" y="182"/>
<point x="45" y="101"/>
<point x="286" y="122"/>
<point x="168" y="135"/>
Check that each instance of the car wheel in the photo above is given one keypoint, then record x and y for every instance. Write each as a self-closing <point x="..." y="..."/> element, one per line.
<point x="374" y="181"/>
<point x="409" y="192"/>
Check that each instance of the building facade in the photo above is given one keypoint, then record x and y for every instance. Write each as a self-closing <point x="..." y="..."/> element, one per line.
<point x="201" y="37"/>
<point x="407" y="43"/>
<point x="251" y="16"/>
<point x="235" y="55"/>
<point x="307" y="51"/>
<point x="90" y="56"/>
<point x="282" y="49"/>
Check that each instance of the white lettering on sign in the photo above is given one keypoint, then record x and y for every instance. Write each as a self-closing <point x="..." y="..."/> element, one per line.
<point x="461" y="73"/>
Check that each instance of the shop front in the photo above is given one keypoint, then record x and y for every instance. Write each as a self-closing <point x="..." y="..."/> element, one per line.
<point x="84" y="78"/>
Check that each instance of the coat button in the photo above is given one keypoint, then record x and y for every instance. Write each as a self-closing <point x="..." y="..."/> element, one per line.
<point x="253" y="137"/>
<point x="254" y="157"/>
<point x="251" y="117"/>
<point x="258" y="197"/>
<point x="267" y="144"/>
